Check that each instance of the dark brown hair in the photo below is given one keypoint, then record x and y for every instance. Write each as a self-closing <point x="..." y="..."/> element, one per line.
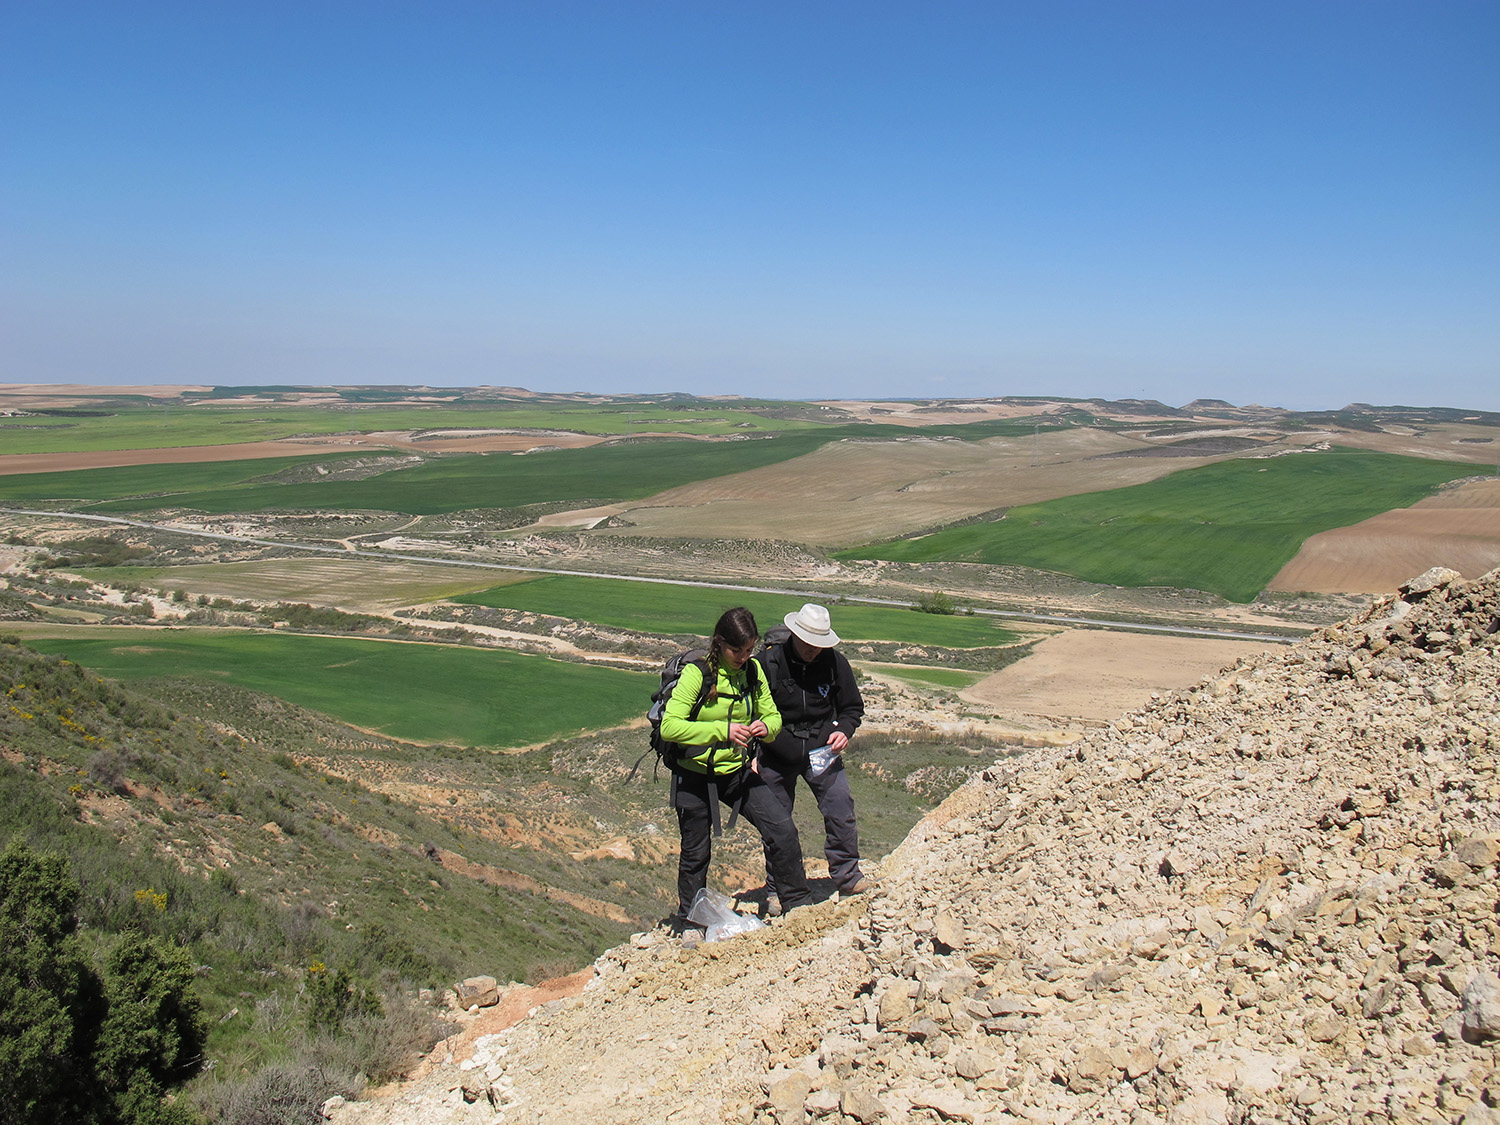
<point x="735" y="629"/>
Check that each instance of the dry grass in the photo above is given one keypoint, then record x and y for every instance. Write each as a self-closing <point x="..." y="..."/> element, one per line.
<point x="852" y="492"/>
<point x="353" y="584"/>
<point x="1094" y="675"/>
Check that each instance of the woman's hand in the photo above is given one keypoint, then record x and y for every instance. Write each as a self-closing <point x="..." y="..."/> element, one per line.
<point x="837" y="741"/>
<point x="741" y="734"/>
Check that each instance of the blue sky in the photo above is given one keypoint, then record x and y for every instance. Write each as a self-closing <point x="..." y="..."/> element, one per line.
<point x="1290" y="203"/>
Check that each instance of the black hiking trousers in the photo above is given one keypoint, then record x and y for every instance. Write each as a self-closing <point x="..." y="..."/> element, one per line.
<point x="783" y="850"/>
<point x="831" y="790"/>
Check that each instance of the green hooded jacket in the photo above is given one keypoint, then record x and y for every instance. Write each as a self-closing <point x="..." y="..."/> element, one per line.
<point x="709" y="733"/>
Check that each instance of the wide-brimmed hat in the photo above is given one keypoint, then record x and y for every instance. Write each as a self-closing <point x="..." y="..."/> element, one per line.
<point x="811" y="624"/>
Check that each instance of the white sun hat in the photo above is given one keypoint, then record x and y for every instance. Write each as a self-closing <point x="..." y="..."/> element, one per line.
<point x="811" y="624"/>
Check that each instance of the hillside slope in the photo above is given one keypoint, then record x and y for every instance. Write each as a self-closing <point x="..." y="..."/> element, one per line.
<point x="1268" y="898"/>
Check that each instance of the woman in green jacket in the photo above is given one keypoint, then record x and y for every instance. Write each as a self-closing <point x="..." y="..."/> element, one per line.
<point x="719" y="712"/>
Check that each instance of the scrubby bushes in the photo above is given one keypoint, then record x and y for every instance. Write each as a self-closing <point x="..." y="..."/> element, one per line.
<point x="76" y="1044"/>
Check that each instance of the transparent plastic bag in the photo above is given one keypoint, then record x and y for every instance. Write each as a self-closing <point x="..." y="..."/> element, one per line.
<point x="715" y="912"/>
<point x="819" y="760"/>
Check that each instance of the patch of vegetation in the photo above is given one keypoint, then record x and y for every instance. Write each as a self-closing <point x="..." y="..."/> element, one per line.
<point x="1225" y="528"/>
<point x="83" y="1042"/>
<point x="422" y="692"/>
<point x="93" y="551"/>
<point x="659" y="607"/>
<point x="936" y="602"/>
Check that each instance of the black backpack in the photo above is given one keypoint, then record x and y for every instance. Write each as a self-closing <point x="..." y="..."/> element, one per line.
<point x="670" y="753"/>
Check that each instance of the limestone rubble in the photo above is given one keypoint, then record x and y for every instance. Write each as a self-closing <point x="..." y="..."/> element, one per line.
<point x="1271" y="897"/>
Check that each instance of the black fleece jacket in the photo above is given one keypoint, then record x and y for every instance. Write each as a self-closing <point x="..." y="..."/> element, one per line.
<point x="812" y="696"/>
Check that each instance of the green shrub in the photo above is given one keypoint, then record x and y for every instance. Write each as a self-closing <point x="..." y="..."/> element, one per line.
<point x="334" y="998"/>
<point x="76" y="1046"/>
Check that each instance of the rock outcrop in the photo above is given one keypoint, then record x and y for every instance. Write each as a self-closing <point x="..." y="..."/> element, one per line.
<point x="1271" y="897"/>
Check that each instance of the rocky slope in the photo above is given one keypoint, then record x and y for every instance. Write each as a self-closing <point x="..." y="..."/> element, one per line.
<point x="1271" y="897"/>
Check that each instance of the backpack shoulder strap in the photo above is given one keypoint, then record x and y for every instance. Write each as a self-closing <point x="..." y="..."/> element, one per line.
<point x="703" y="689"/>
<point x="752" y="686"/>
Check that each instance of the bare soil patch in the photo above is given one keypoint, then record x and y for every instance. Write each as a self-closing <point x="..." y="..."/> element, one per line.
<point x="1453" y="441"/>
<point x="1459" y="528"/>
<point x="1097" y="676"/>
<point x="357" y="585"/>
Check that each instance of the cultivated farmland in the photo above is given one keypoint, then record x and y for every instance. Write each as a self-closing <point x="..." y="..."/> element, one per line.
<point x="414" y="692"/>
<point x="1227" y="528"/>
<point x="1459" y="525"/>
<point x="661" y="608"/>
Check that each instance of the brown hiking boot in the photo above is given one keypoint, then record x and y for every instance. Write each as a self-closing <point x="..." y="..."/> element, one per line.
<point x="773" y="906"/>
<point x="859" y="886"/>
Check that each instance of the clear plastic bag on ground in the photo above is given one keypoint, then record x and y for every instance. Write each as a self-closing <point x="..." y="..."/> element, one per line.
<point x="715" y="912"/>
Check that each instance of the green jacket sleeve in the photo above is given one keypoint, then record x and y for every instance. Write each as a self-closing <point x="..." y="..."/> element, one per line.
<point x="675" y="724"/>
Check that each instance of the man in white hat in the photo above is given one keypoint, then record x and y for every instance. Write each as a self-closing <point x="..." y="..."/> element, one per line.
<point x="821" y="708"/>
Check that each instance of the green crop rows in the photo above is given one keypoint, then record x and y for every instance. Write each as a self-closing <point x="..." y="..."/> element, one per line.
<point x="1226" y="528"/>
<point x="418" y="692"/>
<point x="158" y="427"/>
<point x="447" y="484"/>
<point x="664" y="608"/>
<point x="146" y="480"/>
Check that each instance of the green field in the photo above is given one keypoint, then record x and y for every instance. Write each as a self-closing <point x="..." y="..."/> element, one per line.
<point x="1226" y="528"/>
<point x="421" y="692"/>
<point x="655" y="607"/>
<point x="955" y="679"/>
<point x="451" y="483"/>
<point x="181" y="425"/>
<point x="148" y="480"/>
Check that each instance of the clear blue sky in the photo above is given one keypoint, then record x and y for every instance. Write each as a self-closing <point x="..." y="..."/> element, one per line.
<point x="1290" y="202"/>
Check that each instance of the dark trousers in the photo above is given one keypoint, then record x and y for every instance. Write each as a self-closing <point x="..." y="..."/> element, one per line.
<point x="690" y="798"/>
<point x="831" y="790"/>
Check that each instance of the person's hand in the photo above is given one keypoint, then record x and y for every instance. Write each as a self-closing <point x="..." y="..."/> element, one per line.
<point x="837" y="741"/>
<point x="740" y="734"/>
<point x="758" y="729"/>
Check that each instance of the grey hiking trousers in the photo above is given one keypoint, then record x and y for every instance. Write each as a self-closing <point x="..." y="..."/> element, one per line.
<point x="831" y="790"/>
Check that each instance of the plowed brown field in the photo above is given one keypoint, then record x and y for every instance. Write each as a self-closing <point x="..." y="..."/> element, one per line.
<point x="1459" y="528"/>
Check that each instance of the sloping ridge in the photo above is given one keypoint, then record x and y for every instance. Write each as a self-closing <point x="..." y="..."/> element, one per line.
<point x="1271" y="897"/>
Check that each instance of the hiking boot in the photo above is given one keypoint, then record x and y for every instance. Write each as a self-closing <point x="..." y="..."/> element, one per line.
<point x="859" y="886"/>
<point x="773" y="906"/>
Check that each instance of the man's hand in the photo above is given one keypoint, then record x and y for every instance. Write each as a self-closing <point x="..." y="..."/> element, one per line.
<point x="837" y="741"/>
